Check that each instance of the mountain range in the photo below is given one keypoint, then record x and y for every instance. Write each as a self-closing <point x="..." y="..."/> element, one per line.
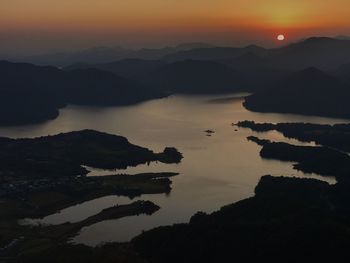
<point x="103" y="55"/>
<point x="309" y="77"/>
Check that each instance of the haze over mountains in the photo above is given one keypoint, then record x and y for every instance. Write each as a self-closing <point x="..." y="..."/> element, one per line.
<point x="118" y="77"/>
<point x="322" y="52"/>
<point x="104" y="54"/>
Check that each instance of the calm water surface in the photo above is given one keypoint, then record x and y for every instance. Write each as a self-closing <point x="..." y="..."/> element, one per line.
<point x="215" y="171"/>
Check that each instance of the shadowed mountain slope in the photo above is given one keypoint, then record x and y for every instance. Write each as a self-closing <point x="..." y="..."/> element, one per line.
<point x="309" y="92"/>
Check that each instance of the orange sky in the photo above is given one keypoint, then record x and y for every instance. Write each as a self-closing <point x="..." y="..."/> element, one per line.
<point x="53" y="24"/>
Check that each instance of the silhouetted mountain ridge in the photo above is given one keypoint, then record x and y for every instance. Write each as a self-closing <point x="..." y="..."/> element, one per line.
<point x="321" y="52"/>
<point x="98" y="55"/>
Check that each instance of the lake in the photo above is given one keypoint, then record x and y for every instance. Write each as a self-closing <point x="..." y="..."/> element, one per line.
<point x="216" y="170"/>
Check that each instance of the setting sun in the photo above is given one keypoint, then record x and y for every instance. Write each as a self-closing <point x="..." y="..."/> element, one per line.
<point x="280" y="37"/>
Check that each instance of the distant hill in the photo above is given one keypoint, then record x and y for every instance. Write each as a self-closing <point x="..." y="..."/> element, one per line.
<point x="251" y="68"/>
<point x="98" y="55"/>
<point x="91" y="55"/>
<point x="189" y="76"/>
<point x="343" y="72"/>
<point x="342" y="37"/>
<point x="309" y="92"/>
<point x="126" y="67"/>
<point x="28" y="93"/>
<point x="192" y="76"/>
<point x="102" y="88"/>
<point x="247" y="60"/>
<point x="256" y="71"/>
<point x="216" y="53"/>
<point x="321" y="52"/>
<point x="32" y="94"/>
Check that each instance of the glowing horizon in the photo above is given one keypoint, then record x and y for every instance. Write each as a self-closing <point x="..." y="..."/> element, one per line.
<point x="44" y="25"/>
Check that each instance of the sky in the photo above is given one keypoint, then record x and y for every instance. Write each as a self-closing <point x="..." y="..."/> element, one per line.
<point x="38" y="26"/>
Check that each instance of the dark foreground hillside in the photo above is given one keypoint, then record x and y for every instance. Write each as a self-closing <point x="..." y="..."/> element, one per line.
<point x="289" y="219"/>
<point x="292" y="219"/>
